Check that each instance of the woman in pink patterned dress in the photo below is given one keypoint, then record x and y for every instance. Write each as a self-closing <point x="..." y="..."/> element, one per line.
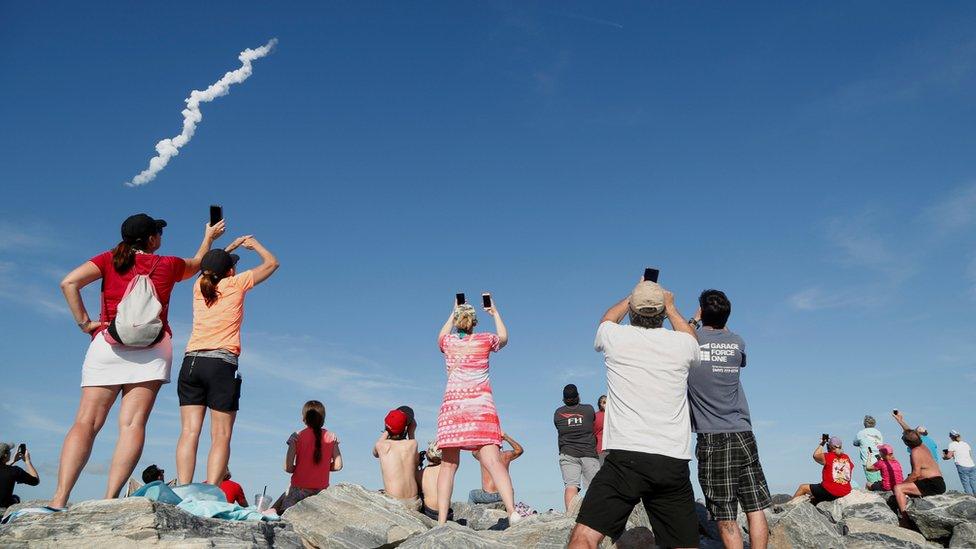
<point x="467" y="419"/>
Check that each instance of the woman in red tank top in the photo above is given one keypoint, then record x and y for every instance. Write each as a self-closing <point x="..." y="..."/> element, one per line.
<point x="313" y="454"/>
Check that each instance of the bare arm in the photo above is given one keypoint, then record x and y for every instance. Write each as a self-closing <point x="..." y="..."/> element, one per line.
<point x="818" y="454"/>
<point x="516" y="447"/>
<point x="30" y="469"/>
<point x="500" y="328"/>
<point x="290" y="454"/>
<point x="948" y="454"/>
<point x="616" y="313"/>
<point x="71" y="286"/>
<point x="916" y="468"/>
<point x="678" y="322"/>
<point x="336" y="457"/>
<point x="901" y="421"/>
<point x="448" y="325"/>
<point x="209" y="235"/>
<point x="376" y="447"/>
<point x="269" y="263"/>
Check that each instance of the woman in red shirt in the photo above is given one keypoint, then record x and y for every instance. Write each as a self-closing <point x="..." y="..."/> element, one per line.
<point x="836" y="475"/>
<point x="313" y="453"/>
<point x="110" y="368"/>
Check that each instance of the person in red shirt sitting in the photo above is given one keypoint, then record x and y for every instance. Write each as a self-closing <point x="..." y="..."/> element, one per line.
<point x="313" y="453"/>
<point x="233" y="490"/>
<point x="837" y="470"/>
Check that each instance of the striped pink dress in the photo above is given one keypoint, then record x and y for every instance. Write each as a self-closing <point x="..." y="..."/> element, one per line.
<point x="468" y="419"/>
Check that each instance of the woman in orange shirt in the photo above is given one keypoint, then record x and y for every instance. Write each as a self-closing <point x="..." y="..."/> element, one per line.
<point x="209" y="376"/>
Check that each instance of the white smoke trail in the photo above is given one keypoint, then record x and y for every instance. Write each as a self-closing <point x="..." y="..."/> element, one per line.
<point x="168" y="148"/>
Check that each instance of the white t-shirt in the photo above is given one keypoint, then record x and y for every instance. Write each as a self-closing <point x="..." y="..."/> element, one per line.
<point x="647" y="389"/>
<point x="962" y="453"/>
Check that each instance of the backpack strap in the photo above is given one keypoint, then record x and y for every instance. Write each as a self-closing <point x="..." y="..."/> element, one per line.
<point x="149" y="274"/>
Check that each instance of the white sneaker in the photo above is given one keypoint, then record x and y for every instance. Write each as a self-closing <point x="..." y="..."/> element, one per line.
<point x="513" y="518"/>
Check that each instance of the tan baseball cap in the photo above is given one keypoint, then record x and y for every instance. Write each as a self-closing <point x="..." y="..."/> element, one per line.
<point x="647" y="299"/>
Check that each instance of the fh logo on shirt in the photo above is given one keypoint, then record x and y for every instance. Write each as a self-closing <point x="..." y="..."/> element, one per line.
<point x="717" y="352"/>
<point x="573" y="419"/>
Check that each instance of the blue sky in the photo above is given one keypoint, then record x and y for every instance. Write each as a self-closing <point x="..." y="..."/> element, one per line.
<point x="815" y="162"/>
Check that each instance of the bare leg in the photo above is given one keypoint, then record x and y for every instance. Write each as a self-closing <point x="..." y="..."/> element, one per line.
<point x="801" y="493"/>
<point x="569" y="494"/>
<point x="731" y="536"/>
<point x="191" y="419"/>
<point x="490" y="458"/>
<point x="450" y="458"/>
<point x="137" y="404"/>
<point x="902" y="491"/>
<point x="584" y="537"/>
<point x="758" y="529"/>
<point x="221" y="429"/>
<point x="96" y="402"/>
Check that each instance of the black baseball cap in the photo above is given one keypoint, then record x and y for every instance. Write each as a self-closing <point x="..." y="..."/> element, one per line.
<point x="218" y="261"/>
<point x="570" y="391"/>
<point x="139" y="227"/>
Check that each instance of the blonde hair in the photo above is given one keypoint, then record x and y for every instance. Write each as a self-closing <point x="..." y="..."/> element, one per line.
<point x="465" y="318"/>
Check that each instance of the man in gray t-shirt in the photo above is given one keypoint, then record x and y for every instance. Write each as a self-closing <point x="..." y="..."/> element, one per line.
<point x="728" y="459"/>
<point x="577" y="444"/>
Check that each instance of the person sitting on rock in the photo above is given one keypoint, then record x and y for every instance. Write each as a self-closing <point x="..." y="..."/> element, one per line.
<point x="925" y="479"/>
<point x="398" y="460"/>
<point x="837" y="471"/>
<point x="233" y="490"/>
<point x="10" y="474"/>
<point x="428" y="483"/>
<point x="489" y="492"/>
<point x="888" y="468"/>
<point x="869" y="440"/>
<point x="312" y="455"/>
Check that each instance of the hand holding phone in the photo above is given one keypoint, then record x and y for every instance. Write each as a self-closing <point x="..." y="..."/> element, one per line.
<point x="824" y="438"/>
<point x="459" y="299"/>
<point x="21" y="451"/>
<point x="486" y="300"/>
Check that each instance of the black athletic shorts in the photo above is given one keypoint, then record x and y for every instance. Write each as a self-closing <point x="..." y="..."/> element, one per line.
<point x="662" y="483"/>
<point x="820" y="493"/>
<point x="210" y="382"/>
<point x="931" y="486"/>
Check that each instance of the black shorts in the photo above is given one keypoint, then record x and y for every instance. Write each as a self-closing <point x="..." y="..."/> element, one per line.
<point x="210" y="382"/>
<point x="662" y="483"/>
<point x="820" y="493"/>
<point x="931" y="486"/>
<point x="730" y="474"/>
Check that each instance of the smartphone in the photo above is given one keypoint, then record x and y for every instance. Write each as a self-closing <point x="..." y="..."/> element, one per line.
<point x="22" y="449"/>
<point x="486" y="300"/>
<point x="459" y="298"/>
<point x="825" y="437"/>
<point x="650" y="274"/>
<point x="895" y="411"/>
<point x="216" y="214"/>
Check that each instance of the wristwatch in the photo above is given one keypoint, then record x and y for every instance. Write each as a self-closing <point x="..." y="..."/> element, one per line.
<point x="694" y="322"/>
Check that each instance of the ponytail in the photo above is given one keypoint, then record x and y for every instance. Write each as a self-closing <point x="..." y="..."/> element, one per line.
<point x="208" y="287"/>
<point x="123" y="257"/>
<point x="314" y="415"/>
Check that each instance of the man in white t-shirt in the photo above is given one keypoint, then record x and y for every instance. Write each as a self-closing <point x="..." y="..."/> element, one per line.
<point x="646" y="430"/>
<point x="963" y="455"/>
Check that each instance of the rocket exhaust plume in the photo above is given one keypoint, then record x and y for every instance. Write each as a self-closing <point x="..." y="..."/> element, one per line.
<point x="168" y="148"/>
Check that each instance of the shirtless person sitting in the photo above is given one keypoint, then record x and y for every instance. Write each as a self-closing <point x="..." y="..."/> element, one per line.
<point x="398" y="460"/>
<point x="488" y="493"/>
<point x="428" y="483"/>
<point x="926" y="478"/>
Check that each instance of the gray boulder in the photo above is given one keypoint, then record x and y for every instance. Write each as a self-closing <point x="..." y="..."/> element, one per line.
<point x="800" y="526"/>
<point x="937" y="516"/>
<point x="480" y="516"/>
<point x="865" y="534"/>
<point x="870" y="506"/>
<point x="349" y="516"/>
<point x="964" y="535"/>
<point x="138" y="522"/>
<point x="451" y="536"/>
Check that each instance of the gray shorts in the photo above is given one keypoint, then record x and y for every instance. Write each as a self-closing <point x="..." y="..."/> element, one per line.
<point x="578" y="471"/>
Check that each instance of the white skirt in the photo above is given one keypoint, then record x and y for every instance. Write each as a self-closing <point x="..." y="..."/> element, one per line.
<point x="107" y="364"/>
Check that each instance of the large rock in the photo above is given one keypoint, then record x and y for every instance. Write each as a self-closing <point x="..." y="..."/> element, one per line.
<point x="138" y="522"/>
<point x="937" y="516"/>
<point x="349" y="516"/>
<point x="453" y="535"/>
<point x="800" y="526"/>
<point x="865" y="534"/>
<point x="964" y="535"/>
<point x="870" y="506"/>
<point x="481" y="516"/>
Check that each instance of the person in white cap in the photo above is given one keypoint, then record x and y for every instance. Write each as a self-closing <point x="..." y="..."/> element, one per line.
<point x="963" y="456"/>
<point x="647" y="429"/>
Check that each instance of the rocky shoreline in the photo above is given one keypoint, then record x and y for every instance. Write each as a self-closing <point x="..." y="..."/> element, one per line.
<point x="349" y="516"/>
